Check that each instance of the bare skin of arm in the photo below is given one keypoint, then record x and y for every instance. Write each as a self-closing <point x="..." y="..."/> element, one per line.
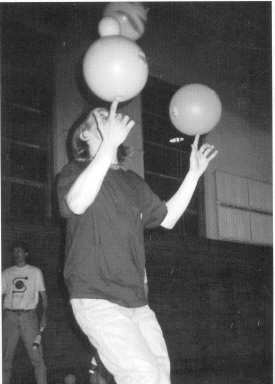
<point x="199" y="160"/>
<point x="113" y="132"/>
<point x="43" y="321"/>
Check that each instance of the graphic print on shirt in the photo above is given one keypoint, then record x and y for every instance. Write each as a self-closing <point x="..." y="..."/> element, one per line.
<point x="19" y="285"/>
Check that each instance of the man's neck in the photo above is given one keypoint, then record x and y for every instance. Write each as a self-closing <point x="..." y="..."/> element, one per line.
<point x="21" y="265"/>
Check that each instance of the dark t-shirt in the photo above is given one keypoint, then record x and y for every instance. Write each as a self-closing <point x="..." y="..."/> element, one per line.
<point x="105" y="245"/>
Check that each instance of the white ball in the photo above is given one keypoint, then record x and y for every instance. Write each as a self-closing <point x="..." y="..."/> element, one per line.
<point x="115" y="67"/>
<point x="108" y="26"/>
<point x="132" y="18"/>
<point x="195" y="109"/>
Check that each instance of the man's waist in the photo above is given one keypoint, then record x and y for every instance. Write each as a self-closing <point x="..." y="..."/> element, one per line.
<point x="19" y="310"/>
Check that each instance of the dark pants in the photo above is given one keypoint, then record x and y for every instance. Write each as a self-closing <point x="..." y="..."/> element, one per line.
<point x="24" y="325"/>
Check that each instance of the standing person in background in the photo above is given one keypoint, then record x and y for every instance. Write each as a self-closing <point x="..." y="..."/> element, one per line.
<point x="21" y="286"/>
<point x="107" y="209"/>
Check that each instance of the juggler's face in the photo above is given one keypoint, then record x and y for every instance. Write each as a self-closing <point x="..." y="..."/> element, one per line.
<point x="93" y="135"/>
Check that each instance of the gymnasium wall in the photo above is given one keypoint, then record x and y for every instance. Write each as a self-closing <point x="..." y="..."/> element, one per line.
<point x="245" y="146"/>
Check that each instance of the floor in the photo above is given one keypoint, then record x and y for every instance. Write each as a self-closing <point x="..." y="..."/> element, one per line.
<point x="249" y="375"/>
<point x="223" y="378"/>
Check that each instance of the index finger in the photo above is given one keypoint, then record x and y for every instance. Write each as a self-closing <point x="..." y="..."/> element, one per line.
<point x="113" y="108"/>
<point x="196" y="141"/>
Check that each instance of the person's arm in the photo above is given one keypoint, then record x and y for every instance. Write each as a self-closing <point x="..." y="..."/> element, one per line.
<point x="3" y="299"/>
<point x="4" y="286"/>
<point x="199" y="161"/>
<point x="86" y="187"/>
<point x="43" y="321"/>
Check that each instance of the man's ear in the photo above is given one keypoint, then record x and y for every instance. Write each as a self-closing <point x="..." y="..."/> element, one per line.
<point x="84" y="136"/>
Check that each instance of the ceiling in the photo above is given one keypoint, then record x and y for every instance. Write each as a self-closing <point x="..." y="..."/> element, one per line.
<point x="246" y="23"/>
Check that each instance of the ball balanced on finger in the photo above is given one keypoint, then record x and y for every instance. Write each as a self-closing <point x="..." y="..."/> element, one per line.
<point x="115" y="67"/>
<point x="195" y="109"/>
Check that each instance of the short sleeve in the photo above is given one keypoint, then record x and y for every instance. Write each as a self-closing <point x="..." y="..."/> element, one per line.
<point x="154" y="210"/>
<point x="40" y="281"/>
<point x="66" y="178"/>
<point x="4" y="283"/>
<point x="145" y="277"/>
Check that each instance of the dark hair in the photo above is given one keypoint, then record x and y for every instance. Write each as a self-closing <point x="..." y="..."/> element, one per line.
<point x="20" y="244"/>
<point x="80" y="147"/>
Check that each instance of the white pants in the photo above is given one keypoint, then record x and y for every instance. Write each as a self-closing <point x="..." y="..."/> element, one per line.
<point x="129" y="341"/>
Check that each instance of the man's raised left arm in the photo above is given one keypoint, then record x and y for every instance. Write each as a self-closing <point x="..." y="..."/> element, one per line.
<point x="199" y="160"/>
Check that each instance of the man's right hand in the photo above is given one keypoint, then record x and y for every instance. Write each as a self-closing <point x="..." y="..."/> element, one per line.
<point x="115" y="128"/>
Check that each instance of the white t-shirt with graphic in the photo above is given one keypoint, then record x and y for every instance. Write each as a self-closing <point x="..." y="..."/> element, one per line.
<point x="21" y="287"/>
